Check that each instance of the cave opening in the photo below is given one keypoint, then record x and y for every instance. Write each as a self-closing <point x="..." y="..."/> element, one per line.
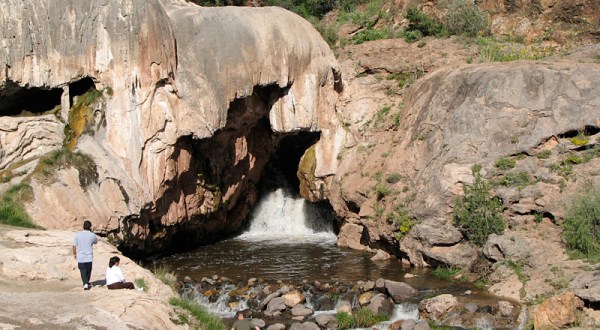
<point x="17" y="100"/>
<point x="80" y="87"/>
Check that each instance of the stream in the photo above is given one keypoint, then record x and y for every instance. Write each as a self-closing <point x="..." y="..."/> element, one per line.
<point x="292" y="241"/>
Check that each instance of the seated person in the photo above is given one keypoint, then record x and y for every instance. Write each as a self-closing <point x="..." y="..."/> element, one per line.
<point x="114" y="276"/>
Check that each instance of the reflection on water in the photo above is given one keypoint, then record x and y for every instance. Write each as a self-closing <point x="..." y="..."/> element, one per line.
<point x="241" y="259"/>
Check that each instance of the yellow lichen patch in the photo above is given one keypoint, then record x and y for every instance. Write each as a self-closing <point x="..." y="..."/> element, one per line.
<point x="81" y="117"/>
<point x="306" y="172"/>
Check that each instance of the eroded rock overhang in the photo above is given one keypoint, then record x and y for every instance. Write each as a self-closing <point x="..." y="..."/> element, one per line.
<point x="174" y="72"/>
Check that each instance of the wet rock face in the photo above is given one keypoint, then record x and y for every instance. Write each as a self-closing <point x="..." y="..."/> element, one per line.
<point x="182" y="133"/>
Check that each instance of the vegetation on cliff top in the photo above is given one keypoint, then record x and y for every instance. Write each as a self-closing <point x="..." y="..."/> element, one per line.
<point x="203" y="318"/>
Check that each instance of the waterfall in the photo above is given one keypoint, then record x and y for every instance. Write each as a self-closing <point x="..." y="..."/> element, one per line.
<point x="280" y="216"/>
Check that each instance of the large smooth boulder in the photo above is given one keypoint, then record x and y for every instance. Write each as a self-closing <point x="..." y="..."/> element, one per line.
<point x="509" y="246"/>
<point x="556" y="312"/>
<point x="275" y="307"/>
<point x="301" y="310"/>
<point x="293" y="298"/>
<point x="400" y="291"/>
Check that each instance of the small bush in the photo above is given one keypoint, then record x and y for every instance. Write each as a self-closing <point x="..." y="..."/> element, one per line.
<point x="363" y="318"/>
<point x="11" y="206"/>
<point x="581" y="226"/>
<point x="463" y="17"/>
<point x="520" y="180"/>
<point x="205" y="319"/>
<point x="445" y="273"/>
<point x="505" y="163"/>
<point x="382" y="191"/>
<point x="477" y="213"/>
<point x="393" y="178"/>
<point x="369" y="34"/>
<point x="402" y="219"/>
<point x="572" y="159"/>
<point x="427" y="26"/>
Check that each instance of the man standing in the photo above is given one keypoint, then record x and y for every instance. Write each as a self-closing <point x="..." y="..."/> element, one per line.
<point x="243" y="324"/>
<point x="83" y="252"/>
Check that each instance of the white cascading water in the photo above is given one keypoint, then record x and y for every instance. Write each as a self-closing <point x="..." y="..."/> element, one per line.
<point x="281" y="217"/>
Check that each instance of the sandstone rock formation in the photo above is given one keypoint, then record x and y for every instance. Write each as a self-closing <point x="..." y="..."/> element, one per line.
<point x="183" y="126"/>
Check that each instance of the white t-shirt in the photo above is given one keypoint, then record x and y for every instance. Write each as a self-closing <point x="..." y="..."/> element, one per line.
<point x="114" y="275"/>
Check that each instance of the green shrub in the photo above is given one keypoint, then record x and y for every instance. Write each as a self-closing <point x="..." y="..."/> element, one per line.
<point x="12" y="211"/>
<point x="412" y="36"/>
<point x="427" y="26"/>
<point x="365" y="318"/>
<point x="505" y="163"/>
<point x="463" y="17"/>
<point x="402" y="219"/>
<point x="382" y="191"/>
<point x="520" y="180"/>
<point x="573" y="159"/>
<point x="544" y="154"/>
<point x="345" y="321"/>
<point x="369" y="34"/>
<point x="393" y="178"/>
<point x="581" y="226"/>
<point x="477" y="213"/>
<point x="205" y="319"/>
<point x="445" y="273"/>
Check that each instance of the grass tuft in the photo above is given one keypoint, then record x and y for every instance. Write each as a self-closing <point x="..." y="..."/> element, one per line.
<point x="12" y="211"/>
<point x="205" y="319"/>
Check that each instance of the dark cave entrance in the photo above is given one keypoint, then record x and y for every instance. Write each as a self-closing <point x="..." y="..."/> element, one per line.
<point x="80" y="87"/>
<point x="16" y="100"/>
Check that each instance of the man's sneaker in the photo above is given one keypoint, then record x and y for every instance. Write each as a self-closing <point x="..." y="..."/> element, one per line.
<point x="140" y="289"/>
<point x="86" y="287"/>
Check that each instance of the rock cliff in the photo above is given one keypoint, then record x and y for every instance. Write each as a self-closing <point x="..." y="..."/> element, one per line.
<point x="178" y="107"/>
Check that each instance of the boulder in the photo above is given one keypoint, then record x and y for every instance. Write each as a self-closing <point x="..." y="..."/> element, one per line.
<point x="381" y="256"/>
<point x="432" y="233"/>
<point x="381" y="304"/>
<point x="508" y="246"/>
<point x="304" y="326"/>
<point x="587" y="286"/>
<point x="327" y="321"/>
<point x="557" y="312"/>
<point x="505" y="308"/>
<point x="258" y="323"/>
<point x="344" y="306"/>
<point x="437" y="307"/>
<point x="293" y="298"/>
<point x="301" y="310"/>
<point x="368" y="286"/>
<point x="365" y="298"/>
<point x="275" y="307"/>
<point x="276" y="326"/>
<point x="422" y="325"/>
<point x="400" y="291"/>
<point x="471" y="307"/>
<point x="350" y="236"/>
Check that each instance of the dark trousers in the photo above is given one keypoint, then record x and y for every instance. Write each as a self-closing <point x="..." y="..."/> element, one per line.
<point x="85" y="269"/>
<point x="120" y="285"/>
